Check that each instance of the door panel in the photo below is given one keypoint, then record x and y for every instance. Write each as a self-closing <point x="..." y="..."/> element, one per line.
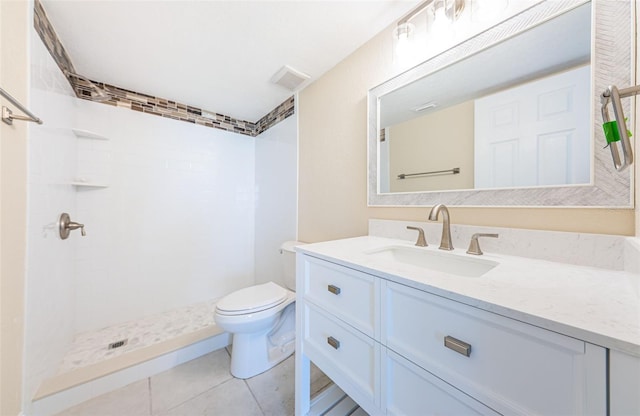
<point x="549" y="121"/>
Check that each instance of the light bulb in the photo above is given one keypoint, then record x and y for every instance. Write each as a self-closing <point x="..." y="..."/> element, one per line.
<point x="441" y="23"/>
<point x="402" y="47"/>
<point x="404" y="34"/>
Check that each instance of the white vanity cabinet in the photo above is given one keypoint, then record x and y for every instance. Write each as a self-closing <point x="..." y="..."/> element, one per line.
<point x="512" y="367"/>
<point x="398" y="350"/>
<point x="340" y="324"/>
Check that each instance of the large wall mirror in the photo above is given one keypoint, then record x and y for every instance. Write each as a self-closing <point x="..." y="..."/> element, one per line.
<point x="510" y="117"/>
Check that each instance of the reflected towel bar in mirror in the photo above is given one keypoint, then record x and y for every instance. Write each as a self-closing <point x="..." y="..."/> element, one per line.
<point x="453" y="171"/>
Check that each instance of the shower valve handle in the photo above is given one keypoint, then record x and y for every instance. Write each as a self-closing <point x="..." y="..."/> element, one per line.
<point x="74" y="226"/>
<point x="65" y="226"/>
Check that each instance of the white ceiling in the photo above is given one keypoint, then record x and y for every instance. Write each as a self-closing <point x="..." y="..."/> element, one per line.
<point x="216" y="55"/>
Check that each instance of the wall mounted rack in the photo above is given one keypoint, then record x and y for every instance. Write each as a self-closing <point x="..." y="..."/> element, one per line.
<point x="8" y="116"/>
<point x="620" y="134"/>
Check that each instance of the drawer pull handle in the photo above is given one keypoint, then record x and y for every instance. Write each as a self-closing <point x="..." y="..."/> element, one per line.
<point x="334" y="289"/>
<point x="458" y="346"/>
<point x="333" y="342"/>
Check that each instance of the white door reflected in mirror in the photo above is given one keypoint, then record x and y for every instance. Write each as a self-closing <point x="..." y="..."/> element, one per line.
<point x="532" y="134"/>
<point x="536" y="134"/>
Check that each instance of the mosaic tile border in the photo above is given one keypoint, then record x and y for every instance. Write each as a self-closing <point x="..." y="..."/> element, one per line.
<point x="136" y="101"/>
<point x="284" y="110"/>
<point x="50" y="39"/>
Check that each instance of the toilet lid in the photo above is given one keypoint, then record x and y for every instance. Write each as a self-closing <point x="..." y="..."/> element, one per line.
<point x="252" y="299"/>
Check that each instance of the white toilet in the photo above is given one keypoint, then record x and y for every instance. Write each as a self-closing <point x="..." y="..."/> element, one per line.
<point x="262" y="320"/>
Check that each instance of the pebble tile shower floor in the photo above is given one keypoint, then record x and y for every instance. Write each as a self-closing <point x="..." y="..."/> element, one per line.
<point x="204" y="386"/>
<point x="91" y="347"/>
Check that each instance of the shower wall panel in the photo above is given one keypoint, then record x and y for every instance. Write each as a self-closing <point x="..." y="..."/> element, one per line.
<point x="50" y="281"/>
<point x="276" y="196"/>
<point x="175" y="225"/>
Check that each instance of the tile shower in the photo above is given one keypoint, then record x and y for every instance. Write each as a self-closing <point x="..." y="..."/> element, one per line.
<point x="174" y="225"/>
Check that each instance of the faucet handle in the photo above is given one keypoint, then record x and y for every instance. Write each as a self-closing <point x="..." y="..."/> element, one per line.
<point x="75" y="226"/>
<point x="65" y="226"/>
<point x="421" y="242"/>
<point x="474" y="245"/>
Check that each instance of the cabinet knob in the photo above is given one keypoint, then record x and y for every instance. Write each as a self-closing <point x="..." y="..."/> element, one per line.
<point x="333" y="342"/>
<point x="334" y="289"/>
<point x="458" y="346"/>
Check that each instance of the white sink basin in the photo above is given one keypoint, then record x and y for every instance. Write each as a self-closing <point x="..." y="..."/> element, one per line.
<point x="439" y="261"/>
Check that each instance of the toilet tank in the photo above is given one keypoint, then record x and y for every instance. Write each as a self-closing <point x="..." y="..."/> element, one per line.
<point x="288" y="255"/>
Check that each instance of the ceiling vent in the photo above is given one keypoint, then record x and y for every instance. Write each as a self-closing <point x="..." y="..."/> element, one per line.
<point x="289" y="78"/>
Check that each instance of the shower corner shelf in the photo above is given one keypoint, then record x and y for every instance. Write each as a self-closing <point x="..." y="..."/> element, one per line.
<point x="93" y="185"/>
<point x="86" y="134"/>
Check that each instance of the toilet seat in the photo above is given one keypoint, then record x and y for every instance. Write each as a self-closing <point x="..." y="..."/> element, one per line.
<point x="252" y="299"/>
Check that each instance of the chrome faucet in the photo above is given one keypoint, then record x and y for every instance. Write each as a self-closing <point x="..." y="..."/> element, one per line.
<point x="445" y="241"/>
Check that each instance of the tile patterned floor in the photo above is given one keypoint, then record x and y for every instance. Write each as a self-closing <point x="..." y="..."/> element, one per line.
<point x="204" y="386"/>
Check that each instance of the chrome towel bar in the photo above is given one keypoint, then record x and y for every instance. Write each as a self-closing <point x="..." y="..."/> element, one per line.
<point x="453" y="171"/>
<point x="7" y="114"/>
<point x="613" y="95"/>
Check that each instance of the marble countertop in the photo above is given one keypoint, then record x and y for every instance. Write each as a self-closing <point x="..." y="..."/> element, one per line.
<point x="596" y="305"/>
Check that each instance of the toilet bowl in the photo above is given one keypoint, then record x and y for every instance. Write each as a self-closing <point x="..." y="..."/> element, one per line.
<point x="261" y="319"/>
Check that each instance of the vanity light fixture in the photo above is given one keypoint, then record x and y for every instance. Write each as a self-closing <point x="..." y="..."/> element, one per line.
<point x="442" y="14"/>
<point x="403" y="33"/>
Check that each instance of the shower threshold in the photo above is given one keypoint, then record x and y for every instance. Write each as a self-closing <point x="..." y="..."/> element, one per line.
<point x="136" y="342"/>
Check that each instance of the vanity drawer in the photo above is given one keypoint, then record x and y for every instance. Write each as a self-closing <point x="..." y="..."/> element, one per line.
<point x="348" y="357"/>
<point x="348" y="294"/>
<point x="411" y="390"/>
<point x="512" y="367"/>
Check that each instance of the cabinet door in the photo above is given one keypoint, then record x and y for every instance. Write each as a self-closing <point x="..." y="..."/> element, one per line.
<point x="624" y="376"/>
<point x="348" y="357"/>
<point x="409" y="390"/>
<point x="512" y="367"/>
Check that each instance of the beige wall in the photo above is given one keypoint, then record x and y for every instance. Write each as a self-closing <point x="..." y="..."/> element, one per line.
<point x="14" y="73"/>
<point x="333" y="163"/>
<point x="424" y="144"/>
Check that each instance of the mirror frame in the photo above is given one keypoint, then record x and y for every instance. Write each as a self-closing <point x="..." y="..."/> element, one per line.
<point x="608" y="188"/>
